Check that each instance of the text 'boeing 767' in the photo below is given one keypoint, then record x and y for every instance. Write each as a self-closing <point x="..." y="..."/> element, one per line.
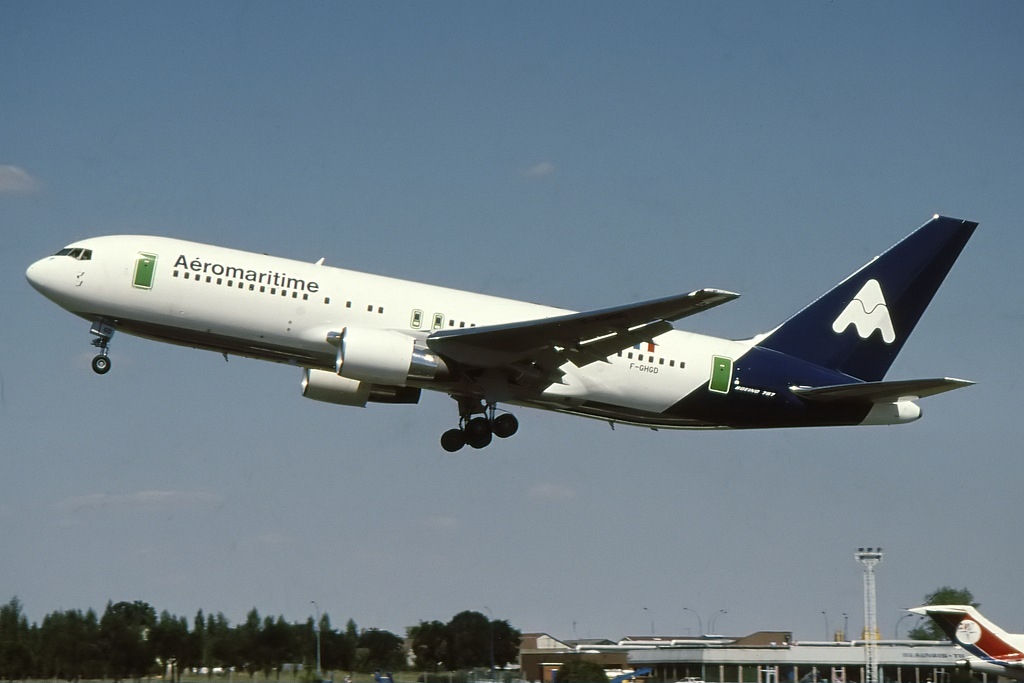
<point x="363" y="338"/>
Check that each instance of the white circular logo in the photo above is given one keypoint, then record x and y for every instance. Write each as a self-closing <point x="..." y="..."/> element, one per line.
<point x="968" y="632"/>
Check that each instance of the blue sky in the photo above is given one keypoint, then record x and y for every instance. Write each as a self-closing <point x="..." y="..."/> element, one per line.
<point x="577" y="154"/>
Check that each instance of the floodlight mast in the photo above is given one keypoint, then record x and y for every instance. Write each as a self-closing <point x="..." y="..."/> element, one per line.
<point x="870" y="557"/>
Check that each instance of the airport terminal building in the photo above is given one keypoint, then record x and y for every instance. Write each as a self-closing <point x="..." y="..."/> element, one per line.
<point x="762" y="657"/>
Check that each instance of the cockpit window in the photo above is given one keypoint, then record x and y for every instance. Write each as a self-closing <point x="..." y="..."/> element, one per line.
<point x="78" y="253"/>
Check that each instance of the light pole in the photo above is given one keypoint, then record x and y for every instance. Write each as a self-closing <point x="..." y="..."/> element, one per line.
<point x="700" y="624"/>
<point x="896" y="633"/>
<point x="316" y="629"/>
<point x="869" y="558"/>
<point x="825" y="614"/>
<point x="712" y="619"/>
<point x="652" y="620"/>
<point x="490" y="624"/>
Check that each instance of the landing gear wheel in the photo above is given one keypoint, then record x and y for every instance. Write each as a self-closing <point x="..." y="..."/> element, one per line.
<point x="505" y="425"/>
<point x="453" y="440"/>
<point x="478" y="432"/>
<point x="101" y="364"/>
<point x="478" y="425"/>
<point x="103" y="332"/>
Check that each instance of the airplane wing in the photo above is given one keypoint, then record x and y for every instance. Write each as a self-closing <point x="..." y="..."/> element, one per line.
<point x="581" y="338"/>
<point x="881" y="392"/>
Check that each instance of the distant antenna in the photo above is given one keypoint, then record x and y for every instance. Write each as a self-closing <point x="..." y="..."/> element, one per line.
<point x="869" y="557"/>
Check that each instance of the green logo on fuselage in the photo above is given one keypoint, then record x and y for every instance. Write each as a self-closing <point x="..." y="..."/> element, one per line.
<point x="721" y="375"/>
<point x="145" y="269"/>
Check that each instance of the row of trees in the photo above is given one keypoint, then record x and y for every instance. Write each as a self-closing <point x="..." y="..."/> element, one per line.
<point x="130" y="641"/>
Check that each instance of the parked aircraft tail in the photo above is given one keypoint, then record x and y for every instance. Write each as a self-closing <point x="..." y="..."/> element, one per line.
<point x="996" y="650"/>
<point x="859" y="326"/>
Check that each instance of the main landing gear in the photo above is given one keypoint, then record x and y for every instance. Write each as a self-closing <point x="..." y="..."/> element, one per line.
<point x="476" y="432"/>
<point x="103" y="333"/>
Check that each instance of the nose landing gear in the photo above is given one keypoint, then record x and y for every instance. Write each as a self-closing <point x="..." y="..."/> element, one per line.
<point x="101" y="363"/>
<point x="103" y="333"/>
<point x="476" y="432"/>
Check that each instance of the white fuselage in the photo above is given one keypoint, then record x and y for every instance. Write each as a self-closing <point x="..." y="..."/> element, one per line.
<point x="279" y="309"/>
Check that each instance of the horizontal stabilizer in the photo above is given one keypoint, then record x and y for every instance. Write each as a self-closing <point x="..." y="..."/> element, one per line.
<point x="881" y="392"/>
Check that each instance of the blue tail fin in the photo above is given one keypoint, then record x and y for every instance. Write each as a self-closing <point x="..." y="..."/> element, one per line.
<point x="860" y="325"/>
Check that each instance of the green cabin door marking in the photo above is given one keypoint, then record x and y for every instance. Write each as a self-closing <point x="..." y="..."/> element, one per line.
<point x="721" y="374"/>
<point x="145" y="268"/>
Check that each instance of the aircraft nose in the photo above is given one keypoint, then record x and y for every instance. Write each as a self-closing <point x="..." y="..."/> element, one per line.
<point x="40" y="277"/>
<point x="32" y="275"/>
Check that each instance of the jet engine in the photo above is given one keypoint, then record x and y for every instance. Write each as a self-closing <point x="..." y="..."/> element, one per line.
<point x="384" y="357"/>
<point x="321" y="385"/>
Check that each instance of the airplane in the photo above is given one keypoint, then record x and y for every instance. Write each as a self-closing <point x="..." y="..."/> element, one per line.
<point x="362" y="338"/>
<point x="990" y="649"/>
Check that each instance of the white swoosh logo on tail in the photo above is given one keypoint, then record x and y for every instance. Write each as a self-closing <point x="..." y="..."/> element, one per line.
<point x="867" y="312"/>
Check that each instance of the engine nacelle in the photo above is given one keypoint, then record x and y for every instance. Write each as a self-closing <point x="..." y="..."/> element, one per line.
<point x="892" y="413"/>
<point x="975" y="665"/>
<point x="321" y="385"/>
<point x="384" y="357"/>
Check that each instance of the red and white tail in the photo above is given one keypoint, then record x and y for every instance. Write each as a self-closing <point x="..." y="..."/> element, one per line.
<point x="997" y="651"/>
